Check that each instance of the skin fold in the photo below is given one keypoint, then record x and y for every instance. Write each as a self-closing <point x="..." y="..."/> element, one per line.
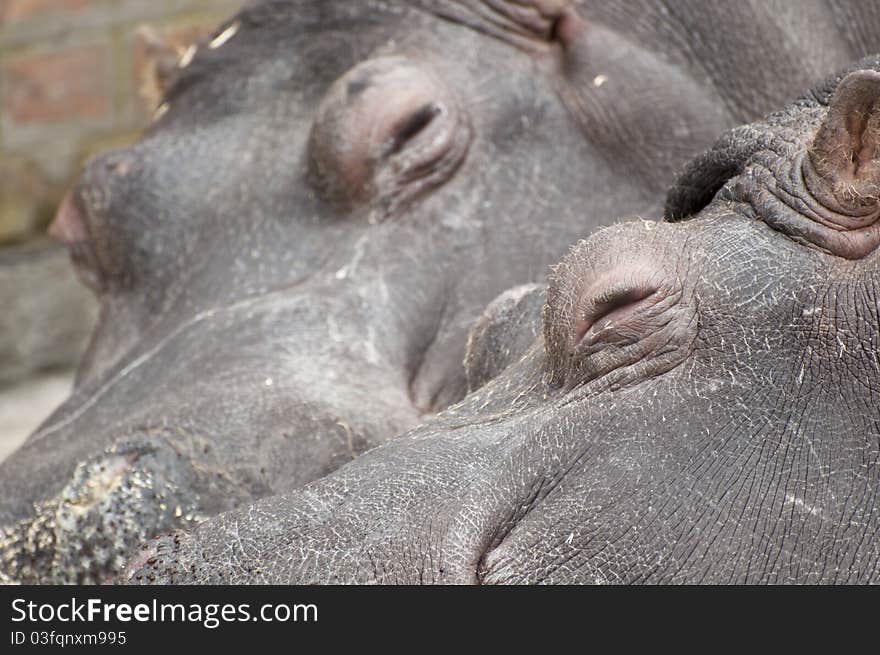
<point x="716" y="421"/>
<point x="290" y="259"/>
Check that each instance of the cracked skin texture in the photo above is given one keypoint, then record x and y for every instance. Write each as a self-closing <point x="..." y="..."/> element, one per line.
<point x="754" y="458"/>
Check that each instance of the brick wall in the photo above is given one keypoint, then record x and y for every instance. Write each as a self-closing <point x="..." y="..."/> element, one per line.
<point x="73" y="82"/>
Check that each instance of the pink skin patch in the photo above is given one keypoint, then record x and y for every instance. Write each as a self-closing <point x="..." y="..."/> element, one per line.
<point x="68" y="226"/>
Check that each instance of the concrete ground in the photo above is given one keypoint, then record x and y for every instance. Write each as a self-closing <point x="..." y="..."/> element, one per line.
<point x="24" y="406"/>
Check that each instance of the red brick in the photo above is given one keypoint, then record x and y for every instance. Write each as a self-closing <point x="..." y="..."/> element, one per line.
<point x="62" y="86"/>
<point x="15" y="10"/>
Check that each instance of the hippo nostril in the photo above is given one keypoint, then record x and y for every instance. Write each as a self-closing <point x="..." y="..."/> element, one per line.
<point x="108" y="169"/>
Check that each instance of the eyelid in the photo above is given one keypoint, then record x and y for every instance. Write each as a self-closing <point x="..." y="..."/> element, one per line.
<point x="622" y="293"/>
<point x="411" y="126"/>
<point x="615" y="303"/>
<point x="386" y="133"/>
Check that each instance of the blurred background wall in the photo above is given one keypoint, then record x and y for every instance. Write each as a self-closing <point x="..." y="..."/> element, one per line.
<point x="76" y="77"/>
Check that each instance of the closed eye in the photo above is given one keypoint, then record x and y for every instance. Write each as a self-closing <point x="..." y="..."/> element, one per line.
<point x="412" y="126"/>
<point x="612" y="305"/>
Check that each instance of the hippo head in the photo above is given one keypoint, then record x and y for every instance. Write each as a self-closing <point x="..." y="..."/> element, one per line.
<point x="700" y="404"/>
<point x="289" y="260"/>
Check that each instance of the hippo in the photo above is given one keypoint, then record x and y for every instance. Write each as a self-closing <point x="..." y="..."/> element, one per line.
<point x="700" y="404"/>
<point x="289" y="261"/>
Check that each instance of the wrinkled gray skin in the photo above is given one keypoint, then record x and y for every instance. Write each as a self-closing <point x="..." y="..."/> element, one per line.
<point x="701" y="406"/>
<point x="289" y="261"/>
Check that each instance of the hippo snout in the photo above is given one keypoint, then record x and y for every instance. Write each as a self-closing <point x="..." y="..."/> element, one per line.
<point x="111" y="503"/>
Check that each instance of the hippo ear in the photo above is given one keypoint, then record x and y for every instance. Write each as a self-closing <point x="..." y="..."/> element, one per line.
<point x="160" y="61"/>
<point x="843" y="172"/>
